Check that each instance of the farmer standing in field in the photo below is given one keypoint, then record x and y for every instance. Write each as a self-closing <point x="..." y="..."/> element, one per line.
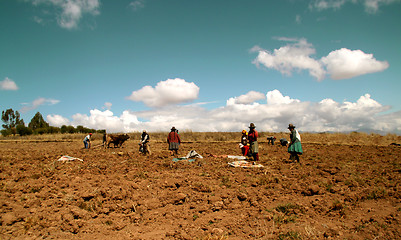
<point x="144" y="146"/>
<point x="295" y="147"/>
<point x="87" y="141"/>
<point x="173" y="141"/>
<point x="253" y="141"/>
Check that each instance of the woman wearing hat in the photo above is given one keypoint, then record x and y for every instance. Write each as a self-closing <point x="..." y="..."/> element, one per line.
<point x="295" y="147"/>
<point x="173" y="141"/>
<point x="253" y="141"/>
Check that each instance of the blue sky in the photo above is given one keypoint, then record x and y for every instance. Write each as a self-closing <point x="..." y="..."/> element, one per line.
<point x="323" y="65"/>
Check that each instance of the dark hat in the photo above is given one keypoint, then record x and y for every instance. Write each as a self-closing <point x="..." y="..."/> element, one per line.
<point x="173" y="129"/>
<point x="252" y="125"/>
<point x="290" y="126"/>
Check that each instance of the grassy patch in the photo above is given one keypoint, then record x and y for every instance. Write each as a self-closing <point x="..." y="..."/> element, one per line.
<point x="287" y="209"/>
<point x="283" y="219"/>
<point x="376" y="193"/>
<point x="225" y="180"/>
<point x="360" y="227"/>
<point x="289" y="235"/>
<point x="286" y="213"/>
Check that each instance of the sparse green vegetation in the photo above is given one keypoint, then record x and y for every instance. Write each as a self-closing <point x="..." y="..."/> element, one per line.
<point x="289" y="236"/>
<point x="287" y="213"/>
<point x="287" y="209"/>
<point x="225" y="181"/>
<point x="376" y="193"/>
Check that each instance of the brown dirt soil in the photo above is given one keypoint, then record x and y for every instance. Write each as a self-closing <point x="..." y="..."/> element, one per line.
<point x="337" y="192"/>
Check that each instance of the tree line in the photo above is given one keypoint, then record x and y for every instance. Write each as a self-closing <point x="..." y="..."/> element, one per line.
<point x="15" y="125"/>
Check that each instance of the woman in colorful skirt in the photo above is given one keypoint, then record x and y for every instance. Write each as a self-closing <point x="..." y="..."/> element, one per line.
<point x="295" y="147"/>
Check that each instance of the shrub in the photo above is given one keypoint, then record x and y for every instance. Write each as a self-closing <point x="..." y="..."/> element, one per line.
<point x="40" y="131"/>
<point x="6" y="132"/>
<point x="23" y="131"/>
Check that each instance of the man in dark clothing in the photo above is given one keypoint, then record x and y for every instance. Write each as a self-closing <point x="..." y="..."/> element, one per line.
<point x="271" y="140"/>
<point x="104" y="139"/>
<point x="144" y="146"/>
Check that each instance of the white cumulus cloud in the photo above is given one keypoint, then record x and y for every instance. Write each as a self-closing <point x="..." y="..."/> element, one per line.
<point x="57" y="120"/>
<point x="105" y="120"/>
<point x="276" y="98"/>
<point x="338" y="64"/>
<point x="8" y="84"/>
<point x="274" y="115"/>
<point x="345" y="63"/>
<point x="171" y="91"/>
<point x="97" y="119"/>
<point x="248" y="98"/>
<point x="294" y="56"/>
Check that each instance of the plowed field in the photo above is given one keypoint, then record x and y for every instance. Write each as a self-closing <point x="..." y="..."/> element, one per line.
<point x="338" y="191"/>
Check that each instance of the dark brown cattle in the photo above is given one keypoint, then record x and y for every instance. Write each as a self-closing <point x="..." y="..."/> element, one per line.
<point x="116" y="139"/>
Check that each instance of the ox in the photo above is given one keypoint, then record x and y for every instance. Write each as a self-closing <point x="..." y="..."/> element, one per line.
<point x="116" y="139"/>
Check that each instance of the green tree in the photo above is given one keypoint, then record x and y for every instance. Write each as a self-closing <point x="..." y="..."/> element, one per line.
<point x="41" y="131"/>
<point x="63" y="129"/>
<point x="101" y="131"/>
<point x="11" y="120"/>
<point x="6" y="132"/>
<point x="71" y="129"/>
<point x="22" y="130"/>
<point x="80" y="129"/>
<point x="52" y="130"/>
<point x="38" y="122"/>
